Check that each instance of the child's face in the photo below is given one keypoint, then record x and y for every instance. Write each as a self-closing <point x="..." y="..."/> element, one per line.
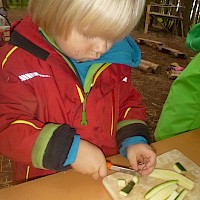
<point x="82" y="48"/>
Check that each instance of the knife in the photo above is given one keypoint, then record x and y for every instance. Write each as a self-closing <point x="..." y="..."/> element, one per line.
<point x="121" y="169"/>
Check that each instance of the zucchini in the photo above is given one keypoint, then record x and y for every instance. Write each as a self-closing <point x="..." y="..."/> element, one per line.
<point x="159" y="187"/>
<point x="135" y="179"/>
<point x="166" y="174"/>
<point x="121" y="182"/>
<point x="173" y="196"/>
<point x="181" y="195"/>
<point x="165" y="192"/>
<point x="178" y="167"/>
<point x="126" y="190"/>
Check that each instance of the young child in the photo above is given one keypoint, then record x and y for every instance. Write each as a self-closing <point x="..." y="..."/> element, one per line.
<point x="66" y="96"/>
<point x="181" y="111"/>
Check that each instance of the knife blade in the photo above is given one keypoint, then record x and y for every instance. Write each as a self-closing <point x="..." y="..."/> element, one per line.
<point x="121" y="169"/>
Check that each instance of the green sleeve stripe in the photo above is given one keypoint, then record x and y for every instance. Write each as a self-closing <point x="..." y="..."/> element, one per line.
<point x="41" y="144"/>
<point x="128" y="122"/>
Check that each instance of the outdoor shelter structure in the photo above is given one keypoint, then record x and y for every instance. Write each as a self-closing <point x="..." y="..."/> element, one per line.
<point x="169" y="16"/>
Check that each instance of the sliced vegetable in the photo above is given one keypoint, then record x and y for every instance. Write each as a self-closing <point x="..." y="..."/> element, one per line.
<point x="159" y="187"/>
<point x="165" y="192"/>
<point x="121" y="182"/>
<point x="126" y="190"/>
<point x="166" y="174"/>
<point x="173" y="196"/>
<point x="178" y="167"/>
<point x="135" y="179"/>
<point x="182" y="194"/>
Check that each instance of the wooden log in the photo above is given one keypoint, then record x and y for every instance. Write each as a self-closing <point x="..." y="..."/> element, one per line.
<point x="147" y="42"/>
<point x="176" y="53"/>
<point x="145" y="68"/>
<point x="156" y="68"/>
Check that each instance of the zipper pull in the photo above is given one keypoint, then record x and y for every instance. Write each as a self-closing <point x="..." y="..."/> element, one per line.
<point x="84" y="121"/>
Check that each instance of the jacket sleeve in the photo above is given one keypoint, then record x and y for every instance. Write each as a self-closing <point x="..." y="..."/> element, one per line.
<point x="181" y="111"/>
<point x="132" y="114"/>
<point x="25" y="139"/>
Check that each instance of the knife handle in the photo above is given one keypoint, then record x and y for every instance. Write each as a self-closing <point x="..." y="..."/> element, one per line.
<point x="108" y="164"/>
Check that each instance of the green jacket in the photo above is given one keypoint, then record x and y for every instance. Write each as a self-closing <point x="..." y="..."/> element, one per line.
<point x="193" y="38"/>
<point x="181" y="111"/>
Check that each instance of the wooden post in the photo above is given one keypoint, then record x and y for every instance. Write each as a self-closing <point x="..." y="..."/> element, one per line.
<point x="4" y="3"/>
<point x="147" y="21"/>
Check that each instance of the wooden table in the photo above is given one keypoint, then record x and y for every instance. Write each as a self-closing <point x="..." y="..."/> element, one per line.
<point x="71" y="185"/>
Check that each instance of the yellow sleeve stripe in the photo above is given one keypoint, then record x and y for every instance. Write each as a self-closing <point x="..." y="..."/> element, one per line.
<point x="27" y="172"/>
<point x="25" y="122"/>
<point x="112" y="123"/>
<point x="126" y="113"/>
<point x="7" y="56"/>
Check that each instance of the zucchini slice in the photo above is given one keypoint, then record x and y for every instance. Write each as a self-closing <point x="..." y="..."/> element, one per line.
<point x="182" y="194"/>
<point x="178" y="167"/>
<point x="173" y="196"/>
<point x="166" y="174"/>
<point x="159" y="187"/>
<point x="165" y="192"/>
<point x="135" y="179"/>
<point x="121" y="182"/>
<point x="126" y="190"/>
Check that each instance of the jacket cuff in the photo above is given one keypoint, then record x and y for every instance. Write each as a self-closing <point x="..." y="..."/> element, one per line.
<point x="130" y="141"/>
<point x="71" y="157"/>
<point x="135" y="129"/>
<point x="52" y="146"/>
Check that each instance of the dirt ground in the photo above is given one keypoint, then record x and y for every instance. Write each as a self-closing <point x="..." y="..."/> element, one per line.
<point x="153" y="87"/>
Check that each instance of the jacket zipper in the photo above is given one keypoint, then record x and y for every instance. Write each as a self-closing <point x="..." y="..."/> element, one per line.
<point x="84" y="121"/>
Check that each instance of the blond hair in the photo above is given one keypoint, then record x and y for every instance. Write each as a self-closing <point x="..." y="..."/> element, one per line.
<point x="109" y="19"/>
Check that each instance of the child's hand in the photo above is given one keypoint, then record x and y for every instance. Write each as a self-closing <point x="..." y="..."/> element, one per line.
<point x="90" y="160"/>
<point x="142" y="158"/>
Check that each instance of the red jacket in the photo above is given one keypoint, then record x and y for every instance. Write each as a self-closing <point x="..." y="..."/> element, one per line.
<point x="41" y="104"/>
